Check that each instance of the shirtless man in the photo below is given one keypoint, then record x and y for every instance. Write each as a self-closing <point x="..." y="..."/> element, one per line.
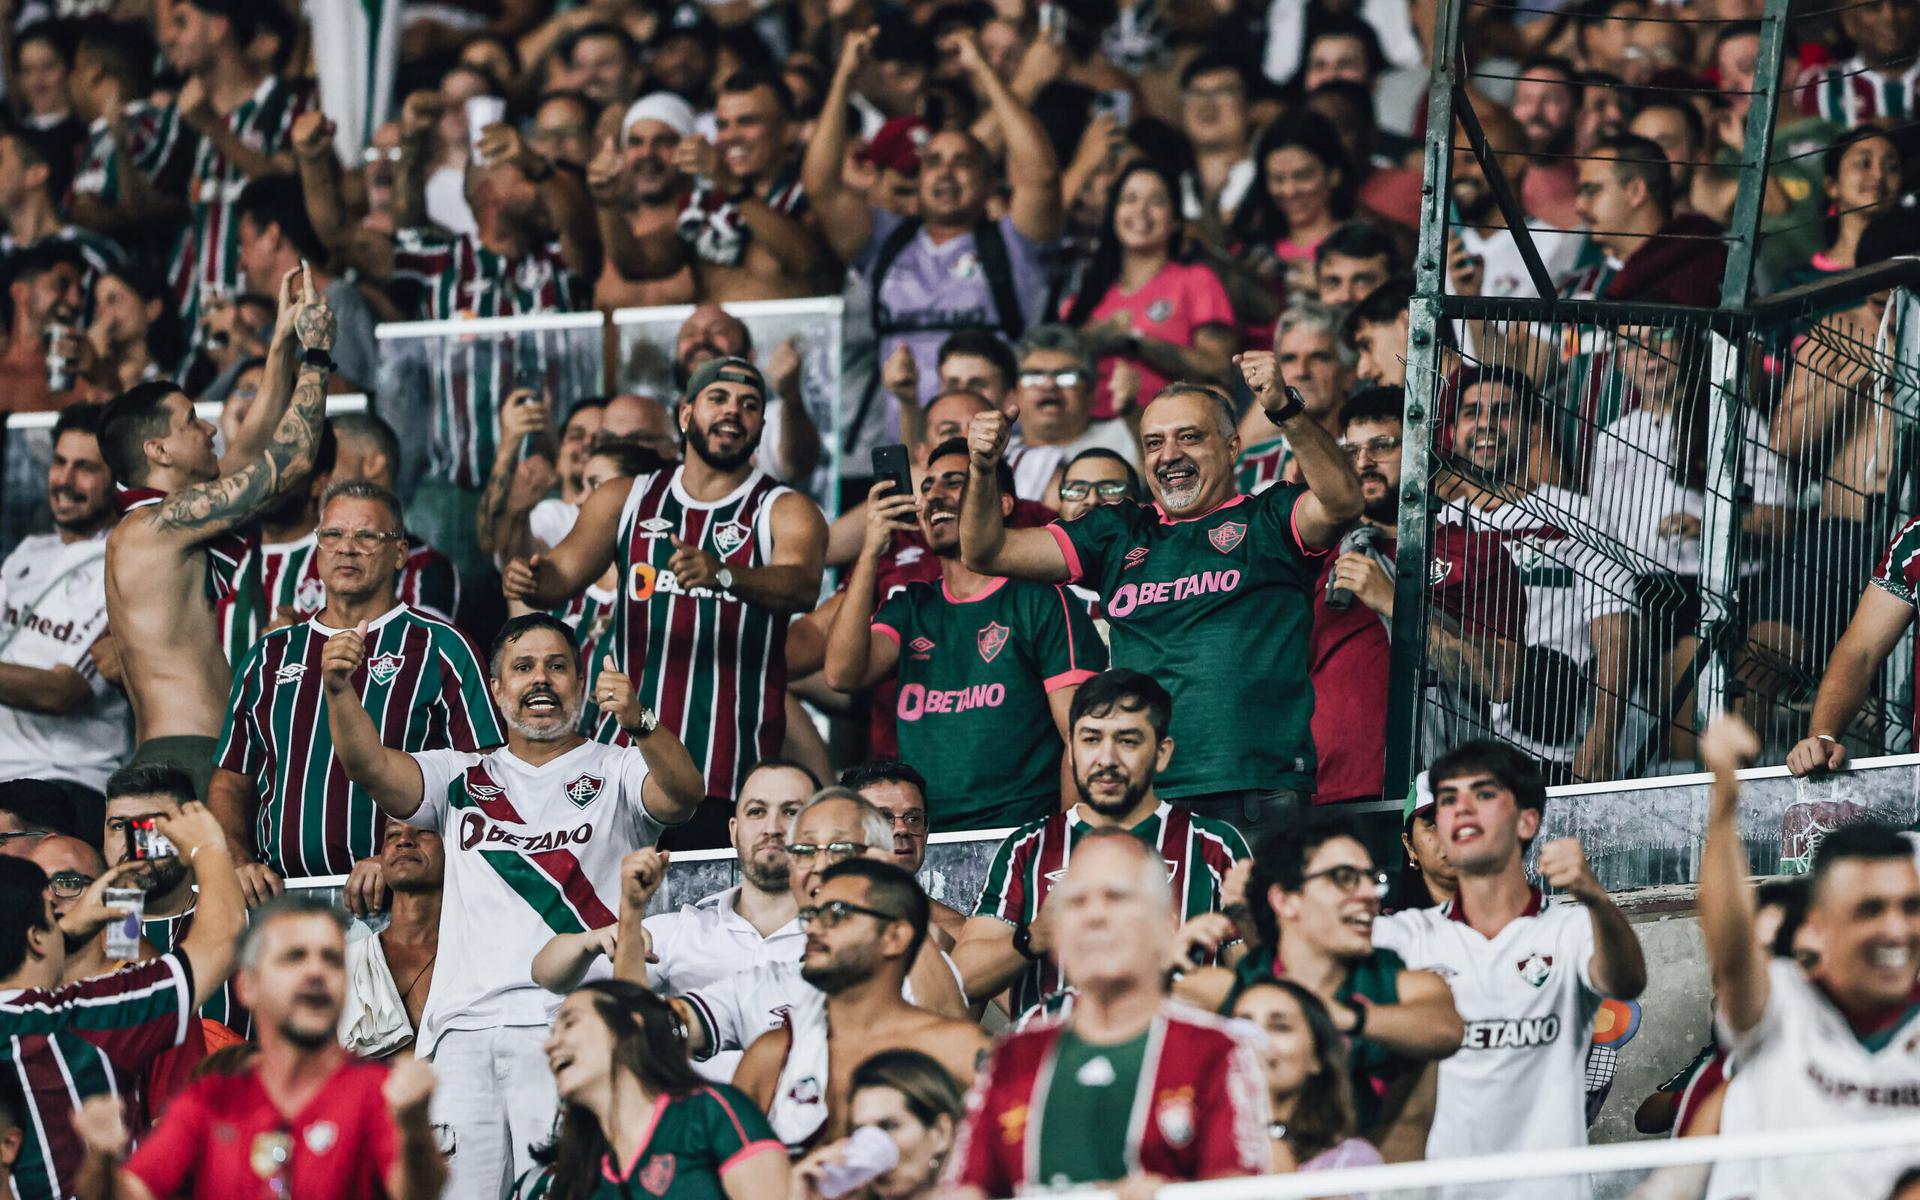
<point x="180" y="541"/>
<point x="864" y="926"/>
<point x="639" y="189"/>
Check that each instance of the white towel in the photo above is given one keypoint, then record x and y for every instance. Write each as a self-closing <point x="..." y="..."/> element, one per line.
<point x="799" y="1106"/>
<point x="373" y="1022"/>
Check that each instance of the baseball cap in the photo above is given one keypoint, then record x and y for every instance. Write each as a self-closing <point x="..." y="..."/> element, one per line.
<point x="1419" y="801"/>
<point x="731" y="369"/>
<point x="896" y="145"/>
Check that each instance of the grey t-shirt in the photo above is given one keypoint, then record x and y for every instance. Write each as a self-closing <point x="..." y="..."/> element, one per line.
<point x="353" y="347"/>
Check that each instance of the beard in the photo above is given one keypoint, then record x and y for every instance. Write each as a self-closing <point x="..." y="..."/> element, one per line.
<point x="306" y="1039"/>
<point x="1113" y="808"/>
<point x="697" y="440"/>
<point x="545" y="728"/>
<point x="843" y="971"/>
<point x="774" y="876"/>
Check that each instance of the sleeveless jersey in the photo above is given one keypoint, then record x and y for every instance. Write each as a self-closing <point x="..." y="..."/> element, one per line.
<point x="422" y="682"/>
<point x="711" y="665"/>
<point x="531" y="852"/>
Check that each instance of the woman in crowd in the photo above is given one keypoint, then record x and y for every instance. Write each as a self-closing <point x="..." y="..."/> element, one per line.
<point x="136" y="329"/>
<point x="912" y="1100"/>
<point x="635" y="1117"/>
<point x="1862" y="181"/>
<point x="1306" y="192"/>
<point x="1143" y="299"/>
<point x="1314" y="1128"/>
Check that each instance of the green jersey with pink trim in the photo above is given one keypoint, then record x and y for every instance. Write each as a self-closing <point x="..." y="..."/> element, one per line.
<point x="1218" y="608"/>
<point x="692" y="1142"/>
<point x="973" y="708"/>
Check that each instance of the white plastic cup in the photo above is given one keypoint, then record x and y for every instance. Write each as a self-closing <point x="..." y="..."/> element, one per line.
<point x="123" y="936"/>
<point x="483" y="111"/>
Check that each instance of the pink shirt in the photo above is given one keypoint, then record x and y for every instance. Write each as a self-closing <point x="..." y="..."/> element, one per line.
<point x="1183" y="297"/>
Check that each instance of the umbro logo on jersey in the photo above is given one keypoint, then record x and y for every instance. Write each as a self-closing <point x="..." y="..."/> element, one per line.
<point x="585" y="789"/>
<point x="1226" y="537"/>
<point x="1135" y="557"/>
<point x="290" y="672"/>
<point x="654" y="527"/>
<point x="383" y="668"/>
<point x="920" y="645"/>
<point x="992" y="640"/>
<point x="483" y="791"/>
<point x="1535" y="968"/>
<point x="730" y="537"/>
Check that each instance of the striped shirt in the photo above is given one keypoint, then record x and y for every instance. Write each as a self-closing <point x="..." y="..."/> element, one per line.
<point x="1262" y="465"/>
<point x="1898" y="573"/>
<point x="290" y="576"/>
<point x="207" y="250"/>
<point x="467" y="376"/>
<point x="1853" y="94"/>
<point x="159" y="146"/>
<point x="713" y="666"/>
<point x="423" y="683"/>
<point x="90" y="1038"/>
<point x="165" y="934"/>
<point x="590" y="616"/>
<point x="1198" y="851"/>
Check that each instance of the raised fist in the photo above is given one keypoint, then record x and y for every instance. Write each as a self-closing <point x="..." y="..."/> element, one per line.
<point x="987" y="436"/>
<point x="341" y="657"/>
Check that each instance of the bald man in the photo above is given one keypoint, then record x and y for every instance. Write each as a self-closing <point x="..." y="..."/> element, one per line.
<point x="71" y="865"/>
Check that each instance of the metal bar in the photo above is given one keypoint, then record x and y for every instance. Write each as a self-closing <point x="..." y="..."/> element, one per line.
<point x="1837" y="290"/>
<point x="1502" y="192"/>
<point x="1408" y="661"/>
<point x="1737" y="286"/>
<point x="1903" y="310"/>
<point x="1588" y="312"/>
<point x="1720" y="524"/>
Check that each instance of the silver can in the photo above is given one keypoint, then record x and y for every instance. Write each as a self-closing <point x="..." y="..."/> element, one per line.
<point x="59" y="369"/>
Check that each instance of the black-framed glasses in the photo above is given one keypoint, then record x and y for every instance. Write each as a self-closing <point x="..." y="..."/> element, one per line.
<point x="363" y="539"/>
<point x="1352" y="879"/>
<point x="1065" y="380"/>
<point x="7" y="837"/>
<point x="1376" y="447"/>
<point x="68" y="884"/>
<point x="836" y="852"/>
<point x="834" y="913"/>
<point x="1107" y="489"/>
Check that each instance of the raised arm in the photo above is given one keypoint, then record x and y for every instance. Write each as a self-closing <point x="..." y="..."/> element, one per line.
<point x="1619" y="966"/>
<point x="1032" y="172"/>
<point x="1875" y="630"/>
<point x="986" y="544"/>
<point x="514" y="485"/>
<point x="199" y="512"/>
<point x="563" y="196"/>
<point x="674" y="787"/>
<point x="859" y="656"/>
<point x="545" y="580"/>
<point x="1332" y="503"/>
<point x="844" y="215"/>
<point x="220" y="911"/>
<point x="196" y="109"/>
<point x="419" y="1169"/>
<point x="1736" y="962"/>
<point x="655" y="256"/>
<point x="251" y="430"/>
<point x="390" y="776"/>
<point x="790" y="583"/>
<point x="1424" y="1025"/>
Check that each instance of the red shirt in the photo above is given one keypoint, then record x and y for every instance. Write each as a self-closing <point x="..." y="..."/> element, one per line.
<point x="218" y="1139"/>
<point x="1474" y="583"/>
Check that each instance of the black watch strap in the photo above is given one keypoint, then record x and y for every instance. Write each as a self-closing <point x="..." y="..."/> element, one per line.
<point x="1295" y="405"/>
<point x="312" y="356"/>
<point x="1023" y="942"/>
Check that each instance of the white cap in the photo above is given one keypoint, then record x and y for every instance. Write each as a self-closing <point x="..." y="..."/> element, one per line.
<point x="664" y="107"/>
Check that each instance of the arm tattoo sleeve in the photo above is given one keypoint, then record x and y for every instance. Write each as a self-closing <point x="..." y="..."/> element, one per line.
<point x="211" y="508"/>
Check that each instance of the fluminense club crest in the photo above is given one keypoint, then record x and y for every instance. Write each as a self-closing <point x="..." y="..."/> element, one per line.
<point x="657" y="1176"/>
<point x="1437" y="571"/>
<point x="382" y="668"/>
<point x="730" y="537"/>
<point x="1226" y="537"/>
<point x="992" y="639"/>
<point x="584" y="789"/>
<point x="1535" y="968"/>
<point x="311" y="595"/>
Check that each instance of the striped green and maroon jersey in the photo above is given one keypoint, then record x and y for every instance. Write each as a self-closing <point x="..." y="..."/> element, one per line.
<point x="422" y="681"/>
<point x="1852" y="93"/>
<point x="165" y="934"/>
<point x="711" y="665"/>
<point x="1899" y="574"/>
<point x="90" y="1038"/>
<point x="979" y="673"/>
<point x="290" y="577"/>
<point x="158" y="144"/>
<point x="590" y="616"/>
<point x="427" y="582"/>
<point x="468" y="375"/>
<point x="1219" y="609"/>
<point x="1262" y="465"/>
<point x="207" y="251"/>
<point x="1198" y="852"/>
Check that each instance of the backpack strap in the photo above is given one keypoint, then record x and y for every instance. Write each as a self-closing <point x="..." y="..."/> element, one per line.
<point x="991" y="245"/>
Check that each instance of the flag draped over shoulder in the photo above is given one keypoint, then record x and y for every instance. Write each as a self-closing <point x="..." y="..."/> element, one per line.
<point x="356" y="44"/>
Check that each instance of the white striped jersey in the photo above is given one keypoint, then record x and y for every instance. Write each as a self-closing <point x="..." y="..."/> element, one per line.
<point x="467" y="376"/>
<point x="207" y="251"/>
<point x="159" y="145"/>
<point x="1198" y="852"/>
<point x="1853" y="94"/>
<point x="531" y="852"/>
<point x="713" y="666"/>
<point x="1262" y="465"/>
<point x="422" y="681"/>
<point x="53" y="608"/>
<point x="290" y="578"/>
<point x="590" y="616"/>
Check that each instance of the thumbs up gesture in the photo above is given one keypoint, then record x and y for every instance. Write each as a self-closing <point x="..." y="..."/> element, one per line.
<point x="614" y="693"/>
<point x="520" y="579"/>
<point x="342" y="656"/>
<point x="692" y="566"/>
<point x="987" y="436"/>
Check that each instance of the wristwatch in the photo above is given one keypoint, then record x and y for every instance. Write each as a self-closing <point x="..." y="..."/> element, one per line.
<point x="649" y="721"/>
<point x="1295" y="405"/>
<point x="724" y="577"/>
<point x="313" y="356"/>
<point x="1023" y="942"/>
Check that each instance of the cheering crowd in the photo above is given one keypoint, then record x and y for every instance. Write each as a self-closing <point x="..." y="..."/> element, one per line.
<point x="299" y="697"/>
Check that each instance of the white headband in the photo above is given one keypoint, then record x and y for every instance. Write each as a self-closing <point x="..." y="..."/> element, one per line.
<point x="664" y="107"/>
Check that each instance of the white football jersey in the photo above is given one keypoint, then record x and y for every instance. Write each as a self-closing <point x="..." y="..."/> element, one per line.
<point x="746" y="1004"/>
<point x="531" y="852"/>
<point x="1803" y="1067"/>
<point x="1519" y="1079"/>
<point x="707" y="941"/>
<point x="53" y="607"/>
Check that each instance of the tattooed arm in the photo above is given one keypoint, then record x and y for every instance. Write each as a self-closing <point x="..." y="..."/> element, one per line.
<point x="249" y="440"/>
<point x="206" y="509"/>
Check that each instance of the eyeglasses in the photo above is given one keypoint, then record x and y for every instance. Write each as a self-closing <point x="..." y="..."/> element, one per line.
<point x="914" y="821"/>
<point x="1351" y="879"/>
<point x="1060" y="379"/>
<point x="1080" y="489"/>
<point x="374" y="154"/>
<point x="363" y="539"/>
<point x="834" y="913"/>
<point x="68" y="884"/>
<point x="1378" y="447"/>
<point x="837" y="852"/>
<point x="7" y="837"/>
